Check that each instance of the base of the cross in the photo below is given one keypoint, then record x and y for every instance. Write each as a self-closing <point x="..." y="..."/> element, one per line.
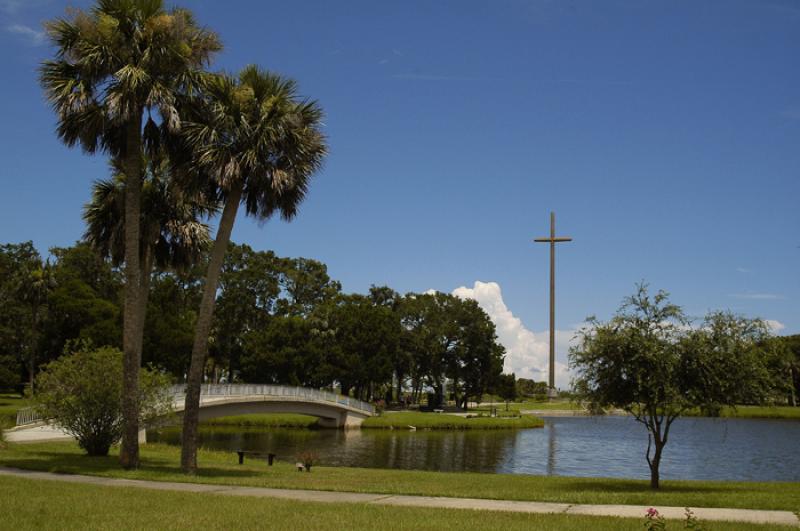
<point x="552" y="394"/>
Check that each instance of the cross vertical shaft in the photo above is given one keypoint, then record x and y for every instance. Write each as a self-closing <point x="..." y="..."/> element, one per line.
<point x="552" y="240"/>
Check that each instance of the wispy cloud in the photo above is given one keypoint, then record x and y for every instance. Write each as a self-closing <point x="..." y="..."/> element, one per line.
<point x="436" y="77"/>
<point x="14" y="6"/>
<point x="34" y="37"/>
<point x="10" y="6"/>
<point x="793" y="113"/>
<point x="755" y="296"/>
<point x="743" y="270"/>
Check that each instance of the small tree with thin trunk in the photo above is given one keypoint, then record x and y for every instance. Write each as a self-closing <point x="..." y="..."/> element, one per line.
<point x="649" y="361"/>
<point x="506" y="387"/>
<point x="82" y="393"/>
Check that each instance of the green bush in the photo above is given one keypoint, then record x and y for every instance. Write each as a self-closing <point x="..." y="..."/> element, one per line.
<point x="82" y="393"/>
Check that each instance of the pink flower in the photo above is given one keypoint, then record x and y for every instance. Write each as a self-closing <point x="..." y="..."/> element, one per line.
<point x="651" y="513"/>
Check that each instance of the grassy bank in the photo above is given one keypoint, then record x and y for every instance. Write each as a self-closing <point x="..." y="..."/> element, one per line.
<point x="30" y="504"/>
<point x="756" y="412"/>
<point x="161" y="463"/>
<point x="530" y="405"/>
<point x="266" y="420"/>
<point x="744" y="412"/>
<point x="443" y="421"/>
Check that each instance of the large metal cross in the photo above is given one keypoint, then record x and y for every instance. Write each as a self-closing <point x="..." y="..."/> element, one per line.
<point x="552" y="240"/>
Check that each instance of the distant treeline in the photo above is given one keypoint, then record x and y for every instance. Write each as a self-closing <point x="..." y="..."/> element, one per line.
<point x="277" y="320"/>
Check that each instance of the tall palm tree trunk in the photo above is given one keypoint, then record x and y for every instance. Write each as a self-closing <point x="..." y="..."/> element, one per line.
<point x="191" y="411"/>
<point x="129" y="452"/>
<point x="144" y="295"/>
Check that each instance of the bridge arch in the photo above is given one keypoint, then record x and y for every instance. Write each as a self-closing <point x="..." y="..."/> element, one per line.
<point x="220" y="400"/>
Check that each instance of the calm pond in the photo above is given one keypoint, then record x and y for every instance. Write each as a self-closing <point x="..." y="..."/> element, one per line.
<point x="699" y="448"/>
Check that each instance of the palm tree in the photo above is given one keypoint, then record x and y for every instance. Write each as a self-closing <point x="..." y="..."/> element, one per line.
<point x="172" y="237"/>
<point x="260" y="144"/>
<point x="115" y="66"/>
<point x="36" y="287"/>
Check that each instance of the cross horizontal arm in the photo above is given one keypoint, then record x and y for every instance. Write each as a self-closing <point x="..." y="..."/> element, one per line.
<point x="552" y="240"/>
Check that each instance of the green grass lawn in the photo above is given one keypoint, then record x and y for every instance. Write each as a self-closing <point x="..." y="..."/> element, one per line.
<point x="32" y="504"/>
<point x="531" y="405"/>
<point x="9" y="405"/>
<point x="758" y="412"/>
<point x="161" y="463"/>
<point x="745" y="412"/>
<point x="266" y="420"/>
<point x="443" y="421"/>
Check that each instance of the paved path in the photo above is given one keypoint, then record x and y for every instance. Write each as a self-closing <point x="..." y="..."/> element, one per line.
<point x="632" y="511"/>
<point x="41" y="433"/>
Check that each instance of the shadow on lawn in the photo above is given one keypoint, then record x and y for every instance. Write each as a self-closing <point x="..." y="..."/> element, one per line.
<point x="74" y="463"/>
<point x="642" y="487"/>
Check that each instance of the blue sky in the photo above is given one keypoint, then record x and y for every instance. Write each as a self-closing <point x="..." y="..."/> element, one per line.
<point x="665" y="135"/>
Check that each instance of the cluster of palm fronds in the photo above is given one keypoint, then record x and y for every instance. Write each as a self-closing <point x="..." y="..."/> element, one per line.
<point x="129" y="78"/>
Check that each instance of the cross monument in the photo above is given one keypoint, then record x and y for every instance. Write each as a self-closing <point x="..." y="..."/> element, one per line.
<point x="552" y="240"/>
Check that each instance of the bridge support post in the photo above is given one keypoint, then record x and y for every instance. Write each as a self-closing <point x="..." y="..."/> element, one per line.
<point x="345" y="419"/>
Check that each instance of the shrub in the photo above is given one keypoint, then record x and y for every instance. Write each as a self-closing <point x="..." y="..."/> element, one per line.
<point x="82" y="393"/>
<point x="307" y="458"/>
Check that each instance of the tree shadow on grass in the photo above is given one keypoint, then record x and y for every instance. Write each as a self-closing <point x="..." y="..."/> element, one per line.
<point x="152" y="467"/>
<point x="643" y="487"/>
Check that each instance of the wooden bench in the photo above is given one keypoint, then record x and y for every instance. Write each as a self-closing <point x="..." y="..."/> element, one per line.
<point x="269" y="456"/>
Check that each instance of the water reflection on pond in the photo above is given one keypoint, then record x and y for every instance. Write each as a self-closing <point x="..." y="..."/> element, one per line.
<point x="699" y="448"/>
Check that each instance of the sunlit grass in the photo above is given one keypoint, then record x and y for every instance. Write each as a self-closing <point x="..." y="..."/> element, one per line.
<point x="161" y="463"/>
<point x="265" y="420"/>
<point x="32" y="504"/>
<point x="757" y="412"/>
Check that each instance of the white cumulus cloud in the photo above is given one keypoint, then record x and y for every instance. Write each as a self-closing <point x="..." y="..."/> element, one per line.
<point x="526" y="353"/>
<point x="774" y="326"/>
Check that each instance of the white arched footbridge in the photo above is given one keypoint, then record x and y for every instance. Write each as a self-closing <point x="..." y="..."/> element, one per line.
<point x="223" y="400"/>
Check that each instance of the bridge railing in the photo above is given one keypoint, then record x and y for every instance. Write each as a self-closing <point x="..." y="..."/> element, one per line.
<point x="28" y="415"/>
<point x="208" y="390"/>
<point x="31" y="415"/>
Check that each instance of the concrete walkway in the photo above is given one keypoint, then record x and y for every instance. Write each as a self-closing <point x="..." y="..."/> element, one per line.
<point x="631" y="511"/>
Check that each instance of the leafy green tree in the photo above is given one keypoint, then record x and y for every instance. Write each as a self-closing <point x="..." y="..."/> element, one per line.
<point x="366" y="337"/>
<point x="282" y="352"/>
<point x="649" y="361"/>
<point x="170" y="320"/>
<point x="305" y="284"/>
<point x="260" y="144"/>
<point x="506" y="387"/>
<point x="85" y="301"/>
<point x="82" y="393"/>
<point x="401" y="357"/>
<point x="526" y="387"/>
<point x="249" y="287"/>
<point x="172" y="233"/>
<point x="449" y="337"/>
<point x="115" y="66"/>
<point x="791" y="365"/>
<point x="21" y="312"/>
<point x="478" y="361"/>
